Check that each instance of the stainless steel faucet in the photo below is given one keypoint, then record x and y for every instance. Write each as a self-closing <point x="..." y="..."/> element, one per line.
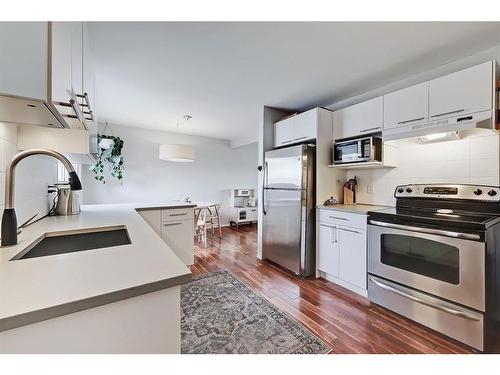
<point x="9" y="220"/>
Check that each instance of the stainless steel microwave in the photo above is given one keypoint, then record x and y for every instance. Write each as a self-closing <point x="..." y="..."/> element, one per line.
<point x="358" y="150"/>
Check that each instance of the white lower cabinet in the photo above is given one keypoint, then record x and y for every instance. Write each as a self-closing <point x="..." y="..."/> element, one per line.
<point x="352" y="256"/>
<point x="179" y="236"/>
<point x="175" y="227"/>
<point x="328" y="257"/>
<point x="342" y="249"/>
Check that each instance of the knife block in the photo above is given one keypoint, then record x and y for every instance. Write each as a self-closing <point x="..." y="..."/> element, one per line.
<point x="348" y="196"/>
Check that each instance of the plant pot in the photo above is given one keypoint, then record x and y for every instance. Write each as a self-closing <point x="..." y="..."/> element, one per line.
<point x="106" y="143"/>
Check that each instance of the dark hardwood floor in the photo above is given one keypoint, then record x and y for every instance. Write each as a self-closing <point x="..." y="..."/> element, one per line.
<point x="344" y="320"/>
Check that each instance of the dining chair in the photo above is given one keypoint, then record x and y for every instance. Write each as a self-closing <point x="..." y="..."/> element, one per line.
<point x="200" y="225"/>
<point x="214" y="218"/>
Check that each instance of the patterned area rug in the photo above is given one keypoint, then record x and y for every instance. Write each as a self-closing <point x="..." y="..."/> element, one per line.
<point x="220" y="314"/>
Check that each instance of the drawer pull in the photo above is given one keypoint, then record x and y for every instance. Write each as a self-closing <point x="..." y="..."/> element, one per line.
<point x="350" y="230"/>
<point x="408" y="121"/>
<point x="448" y="113"/>
<point x="338" y="218"/>
<point x="185" y="213"/>
<point x="171" y="224"/>
<point x="369" y="129"/>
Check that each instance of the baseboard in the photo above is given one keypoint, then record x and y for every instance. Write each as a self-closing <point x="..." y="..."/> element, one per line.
<point x="344" y="284"/>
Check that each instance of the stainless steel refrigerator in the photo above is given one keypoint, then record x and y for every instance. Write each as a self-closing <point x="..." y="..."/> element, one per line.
<point x="288" y="208"/>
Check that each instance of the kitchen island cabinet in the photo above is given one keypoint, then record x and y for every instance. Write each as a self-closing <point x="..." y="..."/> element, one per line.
<point x="119" y="299"/>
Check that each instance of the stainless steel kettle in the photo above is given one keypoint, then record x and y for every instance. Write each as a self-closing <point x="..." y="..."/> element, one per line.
<point x="68" y="201"/>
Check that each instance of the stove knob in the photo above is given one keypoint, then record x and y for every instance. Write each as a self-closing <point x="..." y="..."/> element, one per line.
<point x="478" y="192"/>
<point x="409" y="190"/>
<point x="492" y="193"/>
<point x="400" y="190"/>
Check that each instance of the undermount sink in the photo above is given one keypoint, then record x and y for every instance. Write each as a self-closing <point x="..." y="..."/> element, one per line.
<point x="71" y="241"/>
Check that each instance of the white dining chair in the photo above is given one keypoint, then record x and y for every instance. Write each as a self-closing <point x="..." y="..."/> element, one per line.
<point x="200" y="225"/>
<point x="213" y="218"/>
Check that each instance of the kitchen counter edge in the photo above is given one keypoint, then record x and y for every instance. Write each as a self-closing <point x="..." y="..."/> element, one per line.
<point x="361" y="209"/>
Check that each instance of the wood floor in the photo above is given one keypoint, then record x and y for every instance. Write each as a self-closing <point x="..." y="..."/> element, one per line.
<point x="345" y="321"/>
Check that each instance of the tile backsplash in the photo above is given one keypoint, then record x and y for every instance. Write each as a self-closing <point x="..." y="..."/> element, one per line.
<point x="33" y="174"/>
<point x="474" y="159"/>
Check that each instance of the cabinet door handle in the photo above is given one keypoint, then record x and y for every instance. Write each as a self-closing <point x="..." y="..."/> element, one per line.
<point x="298" y="139"/>
<point x="448" y="113"/>
<point x="185" y="213"/>
<point x="170" y="224"/>
<point x="350" y="230"/>
<point x="334" y="236"/>
<point x="413" y="120"/>
<point x="338" y="218"/>
<point x="369" y="129"/>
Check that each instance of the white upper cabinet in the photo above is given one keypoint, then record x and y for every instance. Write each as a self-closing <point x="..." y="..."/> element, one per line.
<point x="88" y="68"/>
<point x="467" y="91"/>
<point x="67" y="60"/>
<point x="296" y="129"/>
<point x="67" y="66"/>
<point x="77" y="57"/>
<point x="23" y="59"/>
<point x="61" y="57"/>
<point x="359" y="119"/>
<point x="26" y="59"/>
<point x="407" y="106"/>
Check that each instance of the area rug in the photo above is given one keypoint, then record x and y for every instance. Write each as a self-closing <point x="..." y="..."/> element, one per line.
<point x="220" y="314"/>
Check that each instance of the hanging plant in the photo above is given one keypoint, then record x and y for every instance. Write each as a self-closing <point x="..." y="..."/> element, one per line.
<point x="110" y="151"/>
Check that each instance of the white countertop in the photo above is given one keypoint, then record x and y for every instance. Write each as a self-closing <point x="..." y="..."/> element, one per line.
<point x="354" y="208"/>
<point x="41" y="284"/>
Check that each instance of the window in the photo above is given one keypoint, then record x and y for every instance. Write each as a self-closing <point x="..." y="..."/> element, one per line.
<point x="62" y="173"/>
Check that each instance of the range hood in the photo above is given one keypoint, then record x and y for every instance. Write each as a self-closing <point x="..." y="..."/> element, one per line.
<point x="21" y="110"/>
<point x="78" y="145"/>
<point x="482" y="120"/>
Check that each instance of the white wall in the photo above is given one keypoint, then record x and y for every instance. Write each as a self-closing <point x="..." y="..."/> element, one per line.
<point x="473" y="159"/>
<point x="33" y="174"/>
<point x="216" y="169"/>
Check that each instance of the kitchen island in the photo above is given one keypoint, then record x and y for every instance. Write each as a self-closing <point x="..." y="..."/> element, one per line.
<point x="120" y="299"/>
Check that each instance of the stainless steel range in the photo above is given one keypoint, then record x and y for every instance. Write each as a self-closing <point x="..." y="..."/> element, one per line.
<point x="435" y="258"/>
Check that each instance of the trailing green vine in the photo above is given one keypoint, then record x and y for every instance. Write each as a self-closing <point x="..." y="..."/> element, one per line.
<point x="111" y="155"/>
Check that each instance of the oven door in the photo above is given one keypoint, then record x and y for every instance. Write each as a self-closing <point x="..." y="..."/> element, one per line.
<point x="447" y="267"/>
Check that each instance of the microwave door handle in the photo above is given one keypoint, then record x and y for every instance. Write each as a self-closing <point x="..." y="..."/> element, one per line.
<point x="448" y="310"/>
<point x="439" y="232"/>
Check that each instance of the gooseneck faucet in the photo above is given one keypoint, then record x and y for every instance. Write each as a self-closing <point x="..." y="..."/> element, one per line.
<point x="9" y="220"/>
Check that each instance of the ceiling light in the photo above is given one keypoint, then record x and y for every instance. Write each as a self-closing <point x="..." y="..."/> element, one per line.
<point x="439" y="137"/>
<point x="178" y="153"/>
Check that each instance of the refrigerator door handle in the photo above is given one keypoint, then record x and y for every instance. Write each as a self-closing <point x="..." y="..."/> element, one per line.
<point x="264" y="184"/>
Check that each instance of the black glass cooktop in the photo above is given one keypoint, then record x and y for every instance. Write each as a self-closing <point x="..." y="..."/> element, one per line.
<point x="437" y="216"/>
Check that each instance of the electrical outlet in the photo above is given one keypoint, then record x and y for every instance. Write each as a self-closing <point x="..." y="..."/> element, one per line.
<point x="369" y="188"/>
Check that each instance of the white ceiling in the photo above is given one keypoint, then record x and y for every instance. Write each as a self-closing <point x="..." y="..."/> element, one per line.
<point x="151" y="74"/>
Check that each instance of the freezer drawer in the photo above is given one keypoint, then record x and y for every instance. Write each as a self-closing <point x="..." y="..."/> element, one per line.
<point x="462" y="324"/>
<point x="283" y="228"/>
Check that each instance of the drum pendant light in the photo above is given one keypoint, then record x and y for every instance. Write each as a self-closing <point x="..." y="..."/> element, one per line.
<point x="177" y="153"/>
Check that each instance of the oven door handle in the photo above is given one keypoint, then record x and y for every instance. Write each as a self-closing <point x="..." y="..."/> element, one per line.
<point x="465" y="236"/>
<point x="424" y="302"/>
